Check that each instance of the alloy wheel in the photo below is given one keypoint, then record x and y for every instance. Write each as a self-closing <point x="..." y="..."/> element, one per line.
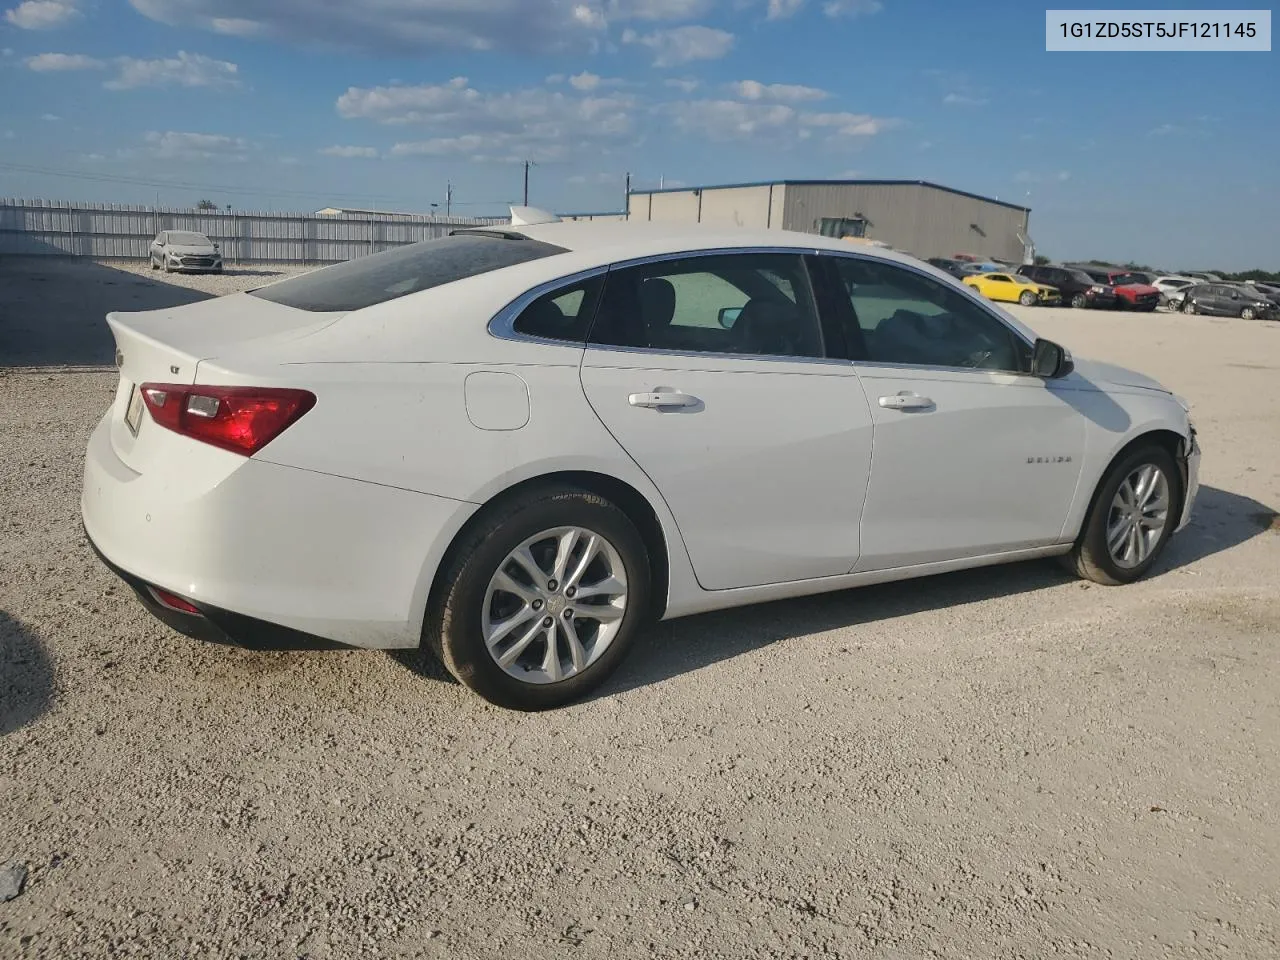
<point x="1138" y="517"/>
<point x="554" y="605"/>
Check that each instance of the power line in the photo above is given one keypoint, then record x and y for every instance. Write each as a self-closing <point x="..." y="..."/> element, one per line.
<point x="222" y="188"/>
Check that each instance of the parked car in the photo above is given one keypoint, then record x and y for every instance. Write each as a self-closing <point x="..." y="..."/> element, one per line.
<point x="1229" y="300"/>
<point x="957" y="268"/>
<point x="1205" y="277"/>
<point x="1013" y="288"/>
<point x="606" y="433"/>
<point x="185" y="250"/>
<point x="1131" y="293"/>
<point x="1077" y="287"/>
<point x="1172" y="287"/>
<point x="1269" y="290"/>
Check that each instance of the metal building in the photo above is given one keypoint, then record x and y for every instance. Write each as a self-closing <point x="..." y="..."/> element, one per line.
<point x="914" y="216"/>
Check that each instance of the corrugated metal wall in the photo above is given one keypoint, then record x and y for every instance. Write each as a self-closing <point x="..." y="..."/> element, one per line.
<point x="118" y="231"/>
<point x="920" y="220"/>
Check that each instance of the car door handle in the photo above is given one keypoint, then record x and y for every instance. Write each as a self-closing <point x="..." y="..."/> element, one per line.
<point x="906" y="401"/>
<point x="663" y="399"/>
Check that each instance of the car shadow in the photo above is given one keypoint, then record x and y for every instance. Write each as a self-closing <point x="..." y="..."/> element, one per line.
<point x="53" y="309"/>
<point x="26" y="676"/>
<point x="1222" y="520"/>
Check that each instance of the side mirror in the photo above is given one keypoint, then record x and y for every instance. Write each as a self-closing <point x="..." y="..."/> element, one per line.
<point x="729" y="316"/>
<point x="1051" y="361"/>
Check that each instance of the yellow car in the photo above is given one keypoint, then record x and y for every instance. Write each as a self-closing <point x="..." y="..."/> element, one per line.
<point x="1014" y="289"/>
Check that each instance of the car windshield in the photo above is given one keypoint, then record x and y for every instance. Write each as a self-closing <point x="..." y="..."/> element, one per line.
<point x="186" y="239"/>
<point x="1125" y="279"/>
<point x="1079" y="276"/>
<point x="366" y="281"/>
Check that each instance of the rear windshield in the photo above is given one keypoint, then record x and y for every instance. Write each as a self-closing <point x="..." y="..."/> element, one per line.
<point x="363" y="282"/>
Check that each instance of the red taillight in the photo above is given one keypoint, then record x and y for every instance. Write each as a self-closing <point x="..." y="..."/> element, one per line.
<point x="239" y="419"/>
<point x="175" y="602"/>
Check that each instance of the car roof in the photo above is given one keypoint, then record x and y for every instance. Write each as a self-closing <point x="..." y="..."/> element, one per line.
<point x="615" y="241"/>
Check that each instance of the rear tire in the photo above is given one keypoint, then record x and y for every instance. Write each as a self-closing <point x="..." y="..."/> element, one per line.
<point x="466" y="603"/>
<point x="1092" y="557"/>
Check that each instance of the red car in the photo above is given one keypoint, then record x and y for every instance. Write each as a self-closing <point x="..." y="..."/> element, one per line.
<point x="1131" y="292"/>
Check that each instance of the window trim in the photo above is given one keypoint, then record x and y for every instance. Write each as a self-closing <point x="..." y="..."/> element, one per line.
<point x="502" y="326"/>
<point x="968" y="291"/>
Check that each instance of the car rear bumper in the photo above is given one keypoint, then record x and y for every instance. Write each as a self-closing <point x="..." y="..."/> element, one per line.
<point x="271" y="556"/>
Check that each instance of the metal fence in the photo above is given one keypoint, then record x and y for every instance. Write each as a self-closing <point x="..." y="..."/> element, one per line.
<point x="112" y="230"/>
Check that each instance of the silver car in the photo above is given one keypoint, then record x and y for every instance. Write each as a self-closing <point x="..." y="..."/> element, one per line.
<point x="184" y="250"/>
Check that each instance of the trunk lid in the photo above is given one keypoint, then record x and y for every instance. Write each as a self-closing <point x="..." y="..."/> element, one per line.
<point x="168" y="345"/>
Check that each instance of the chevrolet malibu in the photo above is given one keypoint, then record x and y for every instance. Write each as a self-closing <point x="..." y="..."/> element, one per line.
<point x="518" y="444"/>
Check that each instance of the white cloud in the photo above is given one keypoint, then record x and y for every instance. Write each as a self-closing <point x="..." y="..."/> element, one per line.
<point x="174" y="145"/>
<point x="730" y="119"/>
<point x="759" y="118"/>
<point x="682" y="44"/>
<point x="367" y="153"/>
<point x="964" y="100"/>
<point x="777" y="92"/>
<point x="851" y="8"/>
<point x="657" y="9"/>
<point x="584" y="81"/>
<point x="532" y="123"/>
<point x="55" y="62"/>
<point x="417" y="28"/>
<point x="42" y="14"/>
<point x="782" y="9"/>
<point x="184" y="70"/>
<point x="686" y="85"/>
<point x="848" y="124"/>
<point x="50" y="117"/>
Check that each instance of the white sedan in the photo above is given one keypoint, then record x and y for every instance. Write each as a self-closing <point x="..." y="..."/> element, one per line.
<point x="521" y="443"/>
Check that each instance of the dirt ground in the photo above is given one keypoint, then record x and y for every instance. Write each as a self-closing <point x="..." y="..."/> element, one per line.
<point x="1006" y="763"/>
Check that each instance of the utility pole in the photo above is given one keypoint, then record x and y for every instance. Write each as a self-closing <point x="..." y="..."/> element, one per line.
<point x="626" y="200"/>
<point x="527" y="165"/>
<point x="448" y="200"/>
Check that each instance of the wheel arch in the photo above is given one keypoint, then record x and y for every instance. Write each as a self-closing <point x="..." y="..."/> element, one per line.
<point x="1169" y="440"/>
<point x="619" y="492"/>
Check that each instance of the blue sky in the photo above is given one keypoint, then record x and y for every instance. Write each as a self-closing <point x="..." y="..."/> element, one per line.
<point x="1168" y="158"/>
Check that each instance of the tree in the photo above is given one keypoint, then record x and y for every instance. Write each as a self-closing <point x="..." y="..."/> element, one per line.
<point x="206" y="205"/>
<point x="1041" y="259"/>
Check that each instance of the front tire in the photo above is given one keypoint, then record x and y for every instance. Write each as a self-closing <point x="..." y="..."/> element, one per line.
<point x="542" y="599"/>
<point x="1247" y="313"/>
<point x="1189" y="306"/>
<point x="1132" y="517"/>
<point x="1028" y="299"/>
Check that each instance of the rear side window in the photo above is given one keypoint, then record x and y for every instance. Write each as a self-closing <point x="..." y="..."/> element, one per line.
<point x="563" y="314"/>
<point x="362" y="283"/>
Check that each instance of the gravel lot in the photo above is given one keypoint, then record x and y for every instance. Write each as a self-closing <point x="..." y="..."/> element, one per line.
<point x="1004" y="763"/>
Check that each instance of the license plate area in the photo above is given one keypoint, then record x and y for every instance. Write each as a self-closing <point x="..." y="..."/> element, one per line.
<point x="133" y="413"/>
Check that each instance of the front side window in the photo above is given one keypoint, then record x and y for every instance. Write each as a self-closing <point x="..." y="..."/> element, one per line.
<point x="905" y="317"/>
<point x="366" y="281"/>
<point x="563" y="314"/>
<point x="752" y="304"/>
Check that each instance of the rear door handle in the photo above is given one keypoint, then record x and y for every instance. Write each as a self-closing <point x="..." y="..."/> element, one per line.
<point x="663" y="400"/>
<point x="906" y="401"/>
